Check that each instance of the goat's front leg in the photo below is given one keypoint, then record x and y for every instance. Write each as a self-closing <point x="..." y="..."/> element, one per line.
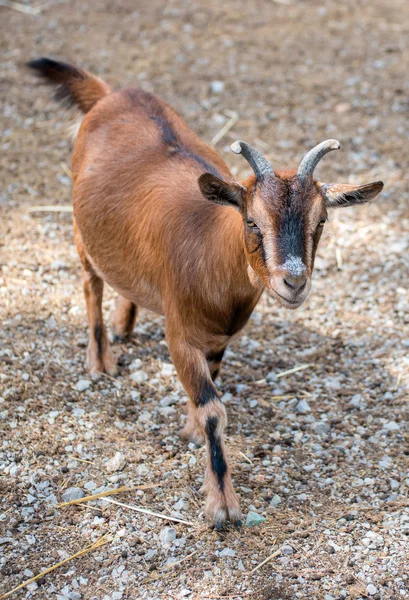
<point x="207" y="416"/>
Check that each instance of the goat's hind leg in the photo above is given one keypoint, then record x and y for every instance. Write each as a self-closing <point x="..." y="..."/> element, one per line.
<point x="100" y="358"/>
<point x="208" y="417"/>
<point x="123" y="319"/>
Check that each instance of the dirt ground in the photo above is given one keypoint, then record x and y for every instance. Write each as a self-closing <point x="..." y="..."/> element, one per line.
<point x="321" y="453"/>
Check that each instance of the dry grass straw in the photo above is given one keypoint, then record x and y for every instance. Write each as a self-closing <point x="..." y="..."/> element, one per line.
<point x="265" y="561"/>
<point x="23" y="8"/>
<point x="101" y="542"/>
<point x="145" y="511"/>
<point x="119" y="490"/>
<point x="226" y="127"/>
<point x="294" y="370"/>
<point x="180" y="561"/>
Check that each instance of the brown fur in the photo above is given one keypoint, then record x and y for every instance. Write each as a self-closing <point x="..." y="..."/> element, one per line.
<point x="143" y="225"/>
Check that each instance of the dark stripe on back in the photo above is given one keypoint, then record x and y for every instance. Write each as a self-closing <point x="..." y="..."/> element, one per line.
<point x="170" y="137"/>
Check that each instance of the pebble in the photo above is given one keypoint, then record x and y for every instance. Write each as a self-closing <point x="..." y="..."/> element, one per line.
<point x="227" y="552"/>
<point x="321" y="428"/>
<point x="275" y="500"/>
<point x="391" y="426"/>
<point x="217" y="87"/>
<point x="167" y="536"/>
<point x="287" y="550"/>
<point x="57" y="265"/>
<point x="168" y="400"/>
<point x="371" y="589"/>
<point x="82" y="385"/>
<point x="139" y="376"/>
<point x="303" y="407"/>
<point x="116" y="463"/>
<point x="72" y="493"/>
<point x="254" y="518"/>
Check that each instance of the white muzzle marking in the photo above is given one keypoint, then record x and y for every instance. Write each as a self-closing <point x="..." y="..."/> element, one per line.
<point x="293" y="265"/>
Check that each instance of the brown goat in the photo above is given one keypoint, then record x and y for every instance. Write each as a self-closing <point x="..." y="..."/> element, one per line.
<point x="158" y="217"/>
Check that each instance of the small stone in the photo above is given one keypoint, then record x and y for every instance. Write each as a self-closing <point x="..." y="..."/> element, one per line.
<point x="82" y="385"/>
<point x="150" y="555"/>
<point x="72" y="493"/>
<point x="116" y="463"/>
<point x="275" y="500"/>
<point x="78" y="412"/>
<point x="254" y="518"/>
<point x="227" y="397"/>
<point x="217" y="87"/>
<point x="167" y="536"/>
<point x="74" y="596"/>
<point x="371" y="589"/>
<point x="135" y="365"/>
<point x="303" y="407"/>
<point x="391" y="426"/>
<point x="286" y="550"/>
<point x="321" y="428"/>
<point x="90" y="486"/>
<point x="168" y="401"/>
<point x="139" y="376"/>
<point x="56" y="265"/>
<point x="227" y="552"/>
<point x="180" y="505"/>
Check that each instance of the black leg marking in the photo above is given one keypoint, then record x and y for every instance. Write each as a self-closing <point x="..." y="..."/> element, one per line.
<point x="98" y="339"/>
<point x="215" y="373"/>
<point x="216" y="356"/>
<point x="207" y="393"/>
<point x="131" y="318"/>
<point x="219" y="466"/>
<point x="214" y="359"/>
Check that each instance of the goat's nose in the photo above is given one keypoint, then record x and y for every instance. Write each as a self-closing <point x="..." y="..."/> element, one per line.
<point x="296" y="283"/>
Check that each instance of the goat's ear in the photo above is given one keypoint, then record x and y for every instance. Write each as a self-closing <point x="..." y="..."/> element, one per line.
<point x="221" y="192"/>
<point x="341" y="194"/>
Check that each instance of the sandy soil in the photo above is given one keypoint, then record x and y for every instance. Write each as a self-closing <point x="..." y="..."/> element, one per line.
<point x="321" y="453"/>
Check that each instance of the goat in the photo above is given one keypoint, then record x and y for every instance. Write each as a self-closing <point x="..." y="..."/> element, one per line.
<point x="158" y="216"/>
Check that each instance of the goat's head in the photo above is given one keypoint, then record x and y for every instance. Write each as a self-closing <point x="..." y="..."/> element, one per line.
<point x="284" y="213"/>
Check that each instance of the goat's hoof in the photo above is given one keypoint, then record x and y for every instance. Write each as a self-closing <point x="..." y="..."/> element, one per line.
<point x="223" y="510"/>
<point x="98" y="366"/>
<point x="119" y="338"/>
<point x="193" y="434"/>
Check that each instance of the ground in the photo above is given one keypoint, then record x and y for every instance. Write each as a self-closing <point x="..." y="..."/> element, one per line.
<point x="323" y="452"/>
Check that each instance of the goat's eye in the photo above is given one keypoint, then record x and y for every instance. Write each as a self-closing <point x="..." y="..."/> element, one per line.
<point x="321" y="223"/>
<point x="250" y="223"/>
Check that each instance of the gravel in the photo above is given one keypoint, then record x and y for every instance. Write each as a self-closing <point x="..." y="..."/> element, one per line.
<point x="322" y="453"/>
<point x="72" y="493"/>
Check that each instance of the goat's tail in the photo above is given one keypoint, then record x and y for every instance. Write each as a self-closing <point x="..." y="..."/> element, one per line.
<point x="74" y="86"/>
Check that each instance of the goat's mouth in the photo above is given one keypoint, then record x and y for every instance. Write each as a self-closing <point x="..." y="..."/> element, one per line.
<point x="287" y="302"/>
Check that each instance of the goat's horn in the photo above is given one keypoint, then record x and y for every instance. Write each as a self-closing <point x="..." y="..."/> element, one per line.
<point x="313" y="157"/>
<point x="258" y="163"/>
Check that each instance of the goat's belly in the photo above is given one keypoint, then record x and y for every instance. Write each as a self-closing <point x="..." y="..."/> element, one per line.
<point x="137" y="289"/>
<point x="141" y="293"/>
